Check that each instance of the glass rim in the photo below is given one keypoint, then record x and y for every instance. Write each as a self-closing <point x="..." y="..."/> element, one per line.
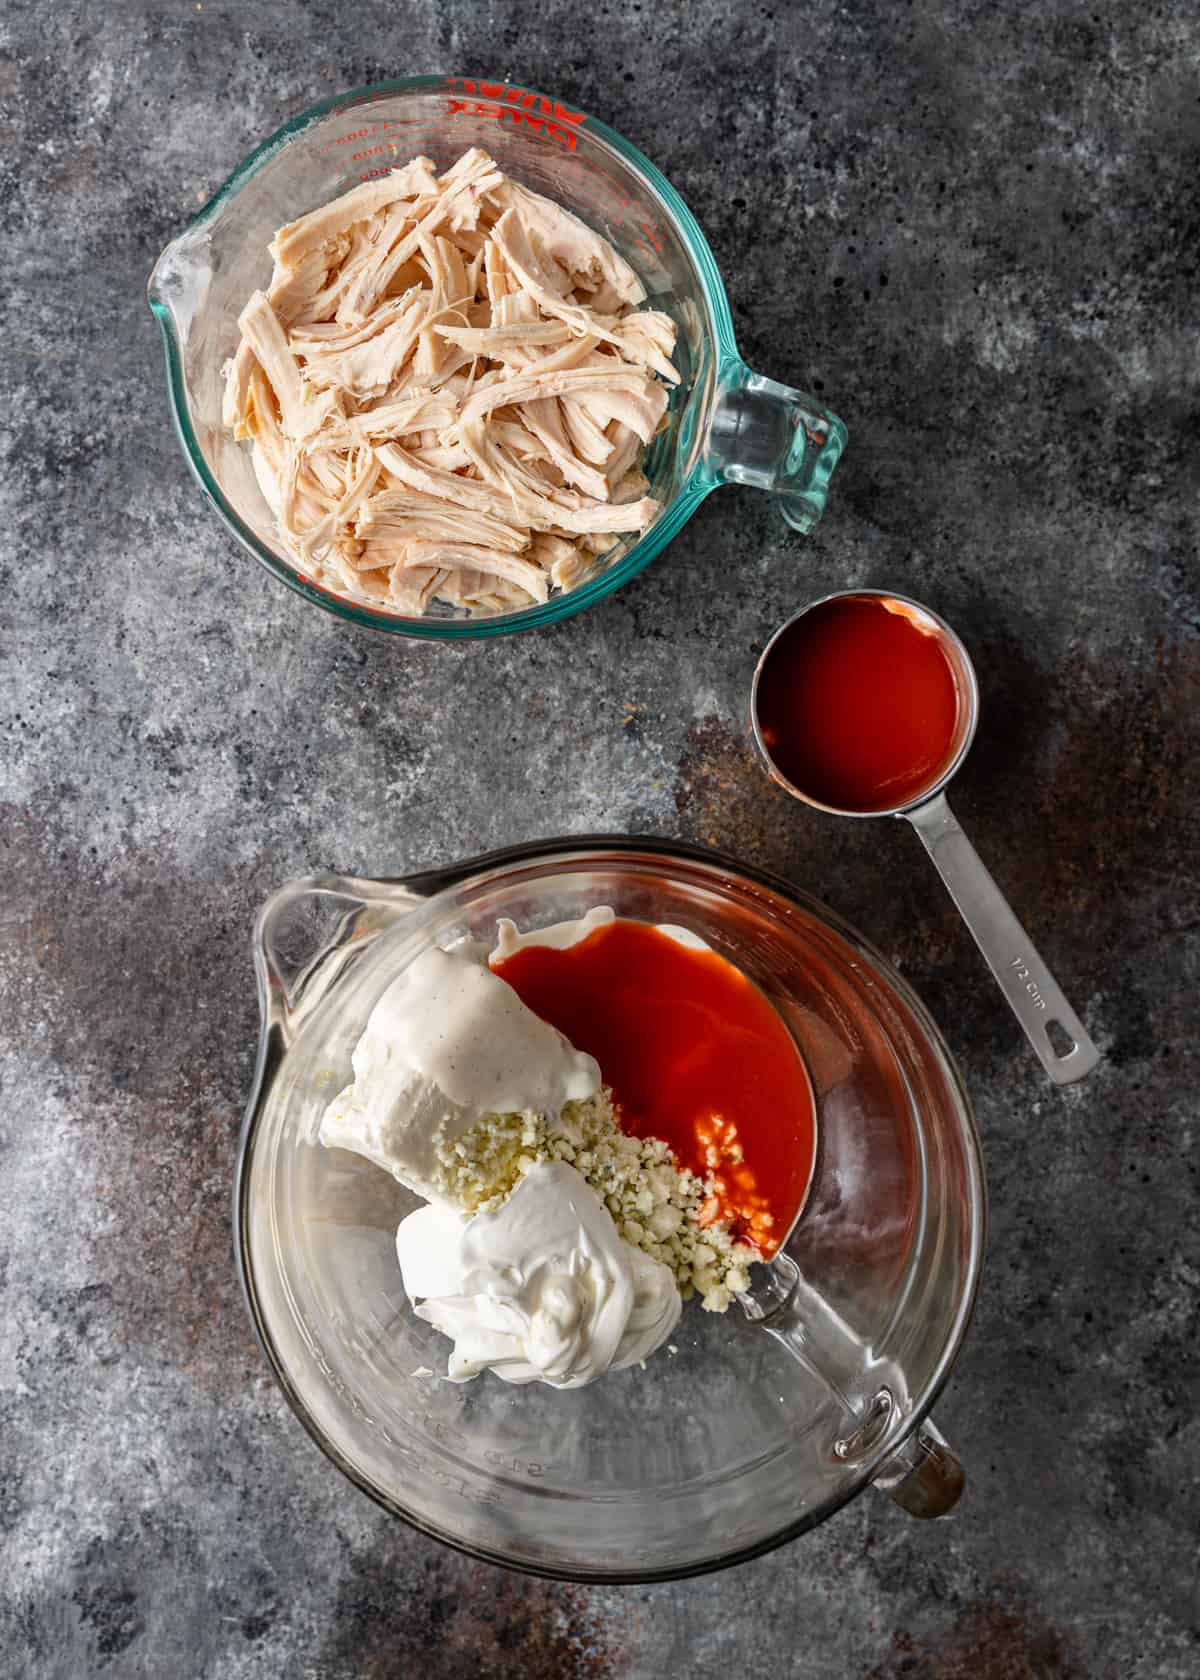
<point x="562" y="606"/>
<point x="591" y="849"/>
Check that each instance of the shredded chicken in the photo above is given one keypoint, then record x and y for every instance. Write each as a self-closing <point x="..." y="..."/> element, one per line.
<point x="449" y="390"/>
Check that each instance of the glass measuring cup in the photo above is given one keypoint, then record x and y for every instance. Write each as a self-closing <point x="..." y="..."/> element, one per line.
<point x="1051" y="1025"/>
<point x="725" y="425"/>
<point x="736" y="1440"/>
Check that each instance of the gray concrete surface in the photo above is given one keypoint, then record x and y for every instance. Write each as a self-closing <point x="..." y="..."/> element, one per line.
<point x="973" y="229"/>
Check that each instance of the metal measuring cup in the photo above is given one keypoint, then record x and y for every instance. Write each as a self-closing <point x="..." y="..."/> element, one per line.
<point x="1051" y="1025"/>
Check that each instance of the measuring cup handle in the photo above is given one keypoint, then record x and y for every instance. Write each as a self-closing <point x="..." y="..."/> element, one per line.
<point x="774" y="438"/>
<point x="1026" y="982"/>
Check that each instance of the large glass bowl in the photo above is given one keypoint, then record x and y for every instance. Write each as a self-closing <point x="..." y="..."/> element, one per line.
<point x="742" y="1433"/>
<point x="726" y="424"/>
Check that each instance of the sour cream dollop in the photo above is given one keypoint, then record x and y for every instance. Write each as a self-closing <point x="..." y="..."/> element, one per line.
<point x="543" y="1289"/>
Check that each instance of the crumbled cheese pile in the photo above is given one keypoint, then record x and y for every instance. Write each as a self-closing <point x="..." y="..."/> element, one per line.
<point x="657" y="1205"/>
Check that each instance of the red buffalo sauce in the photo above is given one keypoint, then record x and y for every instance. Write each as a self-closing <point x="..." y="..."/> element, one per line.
<point x="695" y="1055"/>
<point x="857" y="704"/>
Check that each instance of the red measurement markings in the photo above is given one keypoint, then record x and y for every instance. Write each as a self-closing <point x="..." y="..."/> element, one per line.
<point x="642" y="216"/>
<point x="348" y="139"/>
<point x="371" y="130"/>
<point x="499" y="102"/>
<point x="506" y="113"/>
<point x="596" y="182"/>
<point x="517" y="107"/>
<point x="517" y="96"/>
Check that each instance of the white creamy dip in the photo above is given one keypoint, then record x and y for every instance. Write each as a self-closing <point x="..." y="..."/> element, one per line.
<point x="541" y="1290"/>
<point x="560" y="936"/>
<point x="542" y="1287"/>
<point x="447" y="1043"/>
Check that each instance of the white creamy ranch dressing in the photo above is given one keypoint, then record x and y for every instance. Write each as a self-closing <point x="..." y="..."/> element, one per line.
<point x="542" y="1288"/>
<point x="447" y="1043"/>
<point x="560" y="936"/>
<point x="452" y="1020"/>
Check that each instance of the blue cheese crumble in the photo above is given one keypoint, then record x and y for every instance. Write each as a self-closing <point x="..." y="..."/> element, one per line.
<point x="656" y="1205"/>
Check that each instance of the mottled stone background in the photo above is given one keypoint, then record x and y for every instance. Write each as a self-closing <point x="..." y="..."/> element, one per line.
<point x="973" y="228"/>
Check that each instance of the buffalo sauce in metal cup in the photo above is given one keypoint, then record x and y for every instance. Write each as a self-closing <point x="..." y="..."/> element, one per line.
<point x="857" y="705"/>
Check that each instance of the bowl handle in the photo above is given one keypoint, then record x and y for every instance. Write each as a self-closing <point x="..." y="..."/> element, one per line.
<point x="774" y="438"/>
<point x="921" y="1472"/>
<point x="924" y="1475"/>
<point x="308" y="931"/>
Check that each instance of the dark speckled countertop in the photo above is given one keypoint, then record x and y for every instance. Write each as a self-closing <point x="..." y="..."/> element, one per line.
<point x="973" y="229"/>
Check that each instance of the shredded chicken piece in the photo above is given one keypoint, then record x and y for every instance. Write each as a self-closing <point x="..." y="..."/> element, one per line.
<point x="448" y="391"/>
<point x="321" y="227"/>
<point x="580" y="252"/>
<point x="301" y="409"/>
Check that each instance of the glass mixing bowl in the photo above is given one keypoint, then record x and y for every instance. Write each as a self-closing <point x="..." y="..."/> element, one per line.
<point x="752" y="1426"/>
<point x="726" y="424"/>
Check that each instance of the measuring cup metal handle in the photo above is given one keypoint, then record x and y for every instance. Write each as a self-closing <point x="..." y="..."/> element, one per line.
<point x="1026" y="982"/>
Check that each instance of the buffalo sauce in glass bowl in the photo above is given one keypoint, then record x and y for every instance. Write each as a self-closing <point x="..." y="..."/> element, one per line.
<point x="695" y="1054"/>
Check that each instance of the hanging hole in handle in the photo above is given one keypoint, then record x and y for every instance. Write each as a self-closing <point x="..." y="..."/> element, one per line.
<point x="1061" y="1041"/>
